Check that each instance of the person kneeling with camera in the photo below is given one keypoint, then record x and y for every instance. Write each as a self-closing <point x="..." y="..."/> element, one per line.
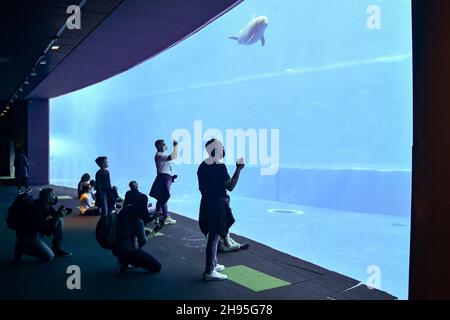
<point x="41" y="219"/>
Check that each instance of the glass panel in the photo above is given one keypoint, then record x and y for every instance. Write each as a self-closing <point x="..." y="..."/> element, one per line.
<point x="325" y="108"/>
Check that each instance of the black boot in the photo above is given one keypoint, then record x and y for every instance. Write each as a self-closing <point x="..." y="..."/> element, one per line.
<point x="60" y="252"/>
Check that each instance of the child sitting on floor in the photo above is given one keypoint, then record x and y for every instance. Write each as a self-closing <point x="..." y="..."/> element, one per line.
<point x="87" y="207"/>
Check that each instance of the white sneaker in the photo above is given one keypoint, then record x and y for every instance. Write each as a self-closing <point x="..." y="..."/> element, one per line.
<point x="169" y="220"/>
<point x="222" y="247"/>
<point x="219" y="268"/>
<point x="232" y="242"/>
<point x="214" y="276"/>
<point x="234" y="246"/>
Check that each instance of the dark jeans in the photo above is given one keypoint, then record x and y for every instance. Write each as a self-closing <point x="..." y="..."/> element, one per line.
<point x="162" y="205"/>
<point x="103" y="203"/>
<point x="141" y="259"/>
<point x="211" y="251"/>
<point x="54" y="227"/>
<point x="22" y="182"/>
<point x="34" y="246"/>
<point x="106" y="201"/>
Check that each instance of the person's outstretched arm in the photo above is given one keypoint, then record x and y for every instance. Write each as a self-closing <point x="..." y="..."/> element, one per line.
<point x="231" y="184"/>
<point x="174" y="153"/>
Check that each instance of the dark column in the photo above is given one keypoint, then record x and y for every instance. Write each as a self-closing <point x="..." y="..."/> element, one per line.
<point x="13" y="128"/>
<point x="430" y="229"/>
<point x="38" y="141"/>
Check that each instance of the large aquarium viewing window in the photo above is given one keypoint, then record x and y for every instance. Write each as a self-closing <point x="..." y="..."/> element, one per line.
<point x="320" y="109"/>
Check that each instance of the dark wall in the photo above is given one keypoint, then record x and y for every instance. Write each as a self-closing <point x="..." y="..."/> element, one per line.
<point x="38" y="141"/>
<point x="27" y="126"/>
<point x="13" y="128"/>
<point x="430" y="233"/>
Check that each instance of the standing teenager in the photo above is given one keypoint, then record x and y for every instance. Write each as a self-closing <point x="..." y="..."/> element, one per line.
<point x="164" y="178"/>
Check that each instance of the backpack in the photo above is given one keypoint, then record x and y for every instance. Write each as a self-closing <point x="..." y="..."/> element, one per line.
<point x="106" y="229"/>
<point x="18" y="210"/>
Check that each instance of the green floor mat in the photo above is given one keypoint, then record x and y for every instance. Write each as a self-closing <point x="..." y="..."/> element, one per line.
<point x="253" y="279"/>
<point x="65" y="197"/>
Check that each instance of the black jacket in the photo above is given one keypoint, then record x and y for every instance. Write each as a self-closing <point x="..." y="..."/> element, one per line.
<point x="215" y="216"/>
<point x="35" y="221"/>
<point x="215" y="211"/>
<point x="131" y="196"/>
<point x="21" y="166"/>
<point x="102" y="181"/>
<point x="130" y="230"/>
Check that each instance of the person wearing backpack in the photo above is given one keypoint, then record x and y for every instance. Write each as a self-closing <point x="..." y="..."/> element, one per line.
<point x="40" y="219"/>
<point x="131" y="237"/>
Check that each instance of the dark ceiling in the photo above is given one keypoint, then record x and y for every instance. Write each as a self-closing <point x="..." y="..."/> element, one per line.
<point x="115" y="35"/>
<point x="28" y="27"/>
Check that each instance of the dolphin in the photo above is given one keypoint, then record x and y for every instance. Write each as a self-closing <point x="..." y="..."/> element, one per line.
<point x="253" y="32"/>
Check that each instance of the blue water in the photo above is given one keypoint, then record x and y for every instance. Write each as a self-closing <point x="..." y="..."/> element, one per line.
<point x="338" y="94"/>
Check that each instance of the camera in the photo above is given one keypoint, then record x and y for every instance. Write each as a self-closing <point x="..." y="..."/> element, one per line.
<point x="63" y="211"/>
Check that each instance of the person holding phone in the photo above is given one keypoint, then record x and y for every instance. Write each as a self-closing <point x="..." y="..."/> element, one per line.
<point x="164" y="178"/>
<point x="215" y="217"/>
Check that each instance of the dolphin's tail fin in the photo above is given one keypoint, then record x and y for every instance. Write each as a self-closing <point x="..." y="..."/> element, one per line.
<point x="233" y="38"/>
